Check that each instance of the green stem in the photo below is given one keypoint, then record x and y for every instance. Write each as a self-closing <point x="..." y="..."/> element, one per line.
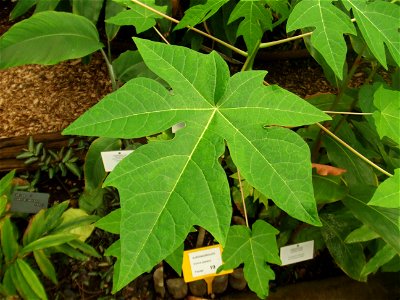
<point x="354" y="151"/>
<point x="229" y="46"/>
<point x="110" y="70"/>
<point x="274" y="43"/>
<point x="243" y="200"/>
<point x="248" y="64"/>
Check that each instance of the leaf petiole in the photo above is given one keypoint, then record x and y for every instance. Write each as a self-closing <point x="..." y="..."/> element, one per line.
<point x="354" y="151"/>
<point x="229" y="46"/>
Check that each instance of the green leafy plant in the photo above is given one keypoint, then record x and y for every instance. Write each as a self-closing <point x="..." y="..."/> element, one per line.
<point x="53" y="230"/>
<point x="266" y="135"/>
<point x="52" y="162"/>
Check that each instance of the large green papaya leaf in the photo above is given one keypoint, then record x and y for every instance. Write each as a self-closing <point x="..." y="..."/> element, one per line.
<point x="330" y="24"/>
<point x="379" y="25"/>
<point x="200" y="12"/>
<point x="166" y="187"/>
<point x="48" y="38"/>
<point x="382" y="220"/>
<point x="253" y="248"/>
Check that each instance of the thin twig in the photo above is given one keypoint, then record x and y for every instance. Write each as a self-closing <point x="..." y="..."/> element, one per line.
<point x="243" y="201"/>
<point x="161" y="35"/>
<point x="351" y="149"/>
<point x="233" y="48"/>
<point x="274" y="43"/>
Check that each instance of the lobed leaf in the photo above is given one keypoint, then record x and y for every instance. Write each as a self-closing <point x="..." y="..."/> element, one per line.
<point x="256" y="20"/>
<point x="378" y="22"/>
<point x="48" y="38"/>
<point x="330" y="24"/>
<point x="137" y="16"/>
<point x="166" y="187"/>
<point x="387" y="117"/>
<point x="254" y="248"/>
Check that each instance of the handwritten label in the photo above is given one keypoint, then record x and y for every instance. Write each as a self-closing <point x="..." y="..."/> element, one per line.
<point x="298" y="252"/>
<point x="178" y="126"/>
<point x="112" y="158"/>
<point x="203" y="262"/>
<point x="27" y="202"/>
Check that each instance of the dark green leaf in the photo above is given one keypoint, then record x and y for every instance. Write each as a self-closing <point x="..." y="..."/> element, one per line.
<point x="48" y="38"/>
<point x="21" y="8"/>
<point x="384" y="221"/>
<point x="328" y="189"/>
<point x="381" y="257"/>
<point x="349" y="257"/>
<point x="90" y="11"/>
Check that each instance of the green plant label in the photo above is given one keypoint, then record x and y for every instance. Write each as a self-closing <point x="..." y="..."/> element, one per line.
<point x="298" y="252"/>
<point x="112" y="158"/>
<point x="27" y="202"/>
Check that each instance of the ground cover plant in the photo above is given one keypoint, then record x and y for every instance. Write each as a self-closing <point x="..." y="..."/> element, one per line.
<point x="243" y="139"/>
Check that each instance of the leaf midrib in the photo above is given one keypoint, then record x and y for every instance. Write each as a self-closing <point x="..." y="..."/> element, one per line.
<point x="170" y="193"/>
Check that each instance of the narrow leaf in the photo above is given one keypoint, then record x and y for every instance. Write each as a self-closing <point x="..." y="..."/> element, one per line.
<point x="31" y="277"/>
<point x="384" y="255"/>
<point x="361" y="234"/>
<point x="21" y="8"/>
<point x="20" y="283"/>
<point x="8" y="240"/>
<point x="48" y="241"/>
<point x="253" y="248"/>
<point x="48" y="38"/>
<point x="45" y="265"/>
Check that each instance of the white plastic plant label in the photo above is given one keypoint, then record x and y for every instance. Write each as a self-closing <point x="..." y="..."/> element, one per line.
<point x="298" y="252"/>
<point x="112" y="158"/>
<point x="178" y="126"/>
<point x="205" y="262"/>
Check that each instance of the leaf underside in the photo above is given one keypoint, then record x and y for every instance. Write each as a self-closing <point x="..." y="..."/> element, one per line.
<point x="166" y="187"/>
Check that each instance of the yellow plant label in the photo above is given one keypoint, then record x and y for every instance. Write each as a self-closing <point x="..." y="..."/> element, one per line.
<point x="202" y="263"/>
